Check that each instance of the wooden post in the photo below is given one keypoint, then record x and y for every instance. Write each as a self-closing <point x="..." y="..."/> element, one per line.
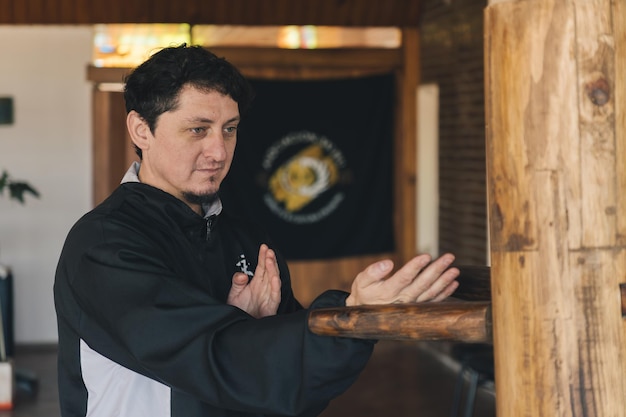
<point x="556" y="149"/>
<point x="405" y="146"/>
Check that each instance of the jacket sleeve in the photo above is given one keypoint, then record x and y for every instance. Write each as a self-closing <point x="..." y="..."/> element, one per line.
<point x="136" y="312"/>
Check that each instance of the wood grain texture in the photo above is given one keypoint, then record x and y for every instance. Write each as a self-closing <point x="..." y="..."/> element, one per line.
<point x="555" y="152"/>
<point x="221" y="12"/>
<point x="289" y="64"/>
<point x="110" y="143"/>
<point x="619" y="26"/>
<point x="405" y="149"/>
<point x="461" y="321"/>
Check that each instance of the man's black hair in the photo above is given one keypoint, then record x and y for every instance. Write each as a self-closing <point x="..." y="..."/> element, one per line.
<point x="154" y="86"/>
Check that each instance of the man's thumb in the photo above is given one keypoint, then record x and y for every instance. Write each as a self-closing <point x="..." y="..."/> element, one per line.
<point x="240" y="280"/>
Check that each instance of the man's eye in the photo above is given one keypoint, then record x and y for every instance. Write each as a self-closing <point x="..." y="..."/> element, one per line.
<point x="198" y="130"/>
<point x="230" y="130"/>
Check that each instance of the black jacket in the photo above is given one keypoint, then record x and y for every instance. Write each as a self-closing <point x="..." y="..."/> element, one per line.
<point x="141" y="287"/>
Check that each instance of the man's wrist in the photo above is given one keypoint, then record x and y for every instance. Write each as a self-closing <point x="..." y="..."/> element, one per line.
<point x="350" y="301"/>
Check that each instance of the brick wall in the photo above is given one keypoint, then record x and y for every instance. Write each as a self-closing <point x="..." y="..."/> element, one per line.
<point x="452" y="57"/>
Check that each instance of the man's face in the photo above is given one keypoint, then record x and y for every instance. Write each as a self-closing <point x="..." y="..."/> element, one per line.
<point x="192" y="147"/>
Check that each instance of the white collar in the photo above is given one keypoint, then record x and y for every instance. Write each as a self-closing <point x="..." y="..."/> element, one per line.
<point x="132" y="175"/>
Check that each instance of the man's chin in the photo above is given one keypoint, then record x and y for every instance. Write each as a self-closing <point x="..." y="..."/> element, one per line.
<point x="201" y="199"/>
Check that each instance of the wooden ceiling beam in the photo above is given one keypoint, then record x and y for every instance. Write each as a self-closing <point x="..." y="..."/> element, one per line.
<point x="401" y="13"/>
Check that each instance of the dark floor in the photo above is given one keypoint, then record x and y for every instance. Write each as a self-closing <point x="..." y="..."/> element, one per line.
<point x="407" y="379"/>
<point x="403" y="379"/>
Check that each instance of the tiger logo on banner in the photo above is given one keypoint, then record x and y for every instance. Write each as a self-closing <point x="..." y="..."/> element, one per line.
<point x="304" y="178"/>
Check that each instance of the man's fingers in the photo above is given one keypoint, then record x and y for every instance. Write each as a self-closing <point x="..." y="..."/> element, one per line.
<point x="407" y="274"/>
<point x="275" y="294"/>
<point x="430" y="274"/>
<point x="375" y="272"/>
<point x="442" y="287"/>
<point x="447" y="292"/>
<point x="418" y="280"/>
<point x="239" y="283"/>
<point x="260" y="266"/>
<point x="273" y="275"/>
<point x="240" y="280"/>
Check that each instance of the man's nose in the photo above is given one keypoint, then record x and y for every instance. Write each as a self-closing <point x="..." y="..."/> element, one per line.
<point x="215" y="147"/>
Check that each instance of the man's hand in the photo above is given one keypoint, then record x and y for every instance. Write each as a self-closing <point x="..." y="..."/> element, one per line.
<point x="418" y="280"/>
<point x="259" y="296"/>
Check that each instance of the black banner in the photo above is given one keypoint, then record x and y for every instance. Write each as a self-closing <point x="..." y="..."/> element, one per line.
<point x="313" y="165"/>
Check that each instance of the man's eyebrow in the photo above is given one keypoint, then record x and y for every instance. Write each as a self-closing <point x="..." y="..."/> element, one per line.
<point x="206" y="120"/>
<point x="200" y="120"/>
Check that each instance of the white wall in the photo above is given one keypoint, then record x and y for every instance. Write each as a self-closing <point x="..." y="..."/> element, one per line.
<point x="427" y="233"/>
<point x="49" y="145"/>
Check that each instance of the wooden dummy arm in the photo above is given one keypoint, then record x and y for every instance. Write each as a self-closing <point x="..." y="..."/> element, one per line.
<point x="462" y="321"/>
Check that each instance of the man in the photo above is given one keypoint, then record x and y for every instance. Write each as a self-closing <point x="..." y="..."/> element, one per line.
<point x="156" y="314"/>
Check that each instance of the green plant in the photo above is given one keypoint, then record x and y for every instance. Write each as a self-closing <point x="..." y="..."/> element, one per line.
<point x="17" y="189"/>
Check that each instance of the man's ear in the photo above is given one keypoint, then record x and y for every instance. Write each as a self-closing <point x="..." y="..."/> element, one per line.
<point x="138" y="129"/>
